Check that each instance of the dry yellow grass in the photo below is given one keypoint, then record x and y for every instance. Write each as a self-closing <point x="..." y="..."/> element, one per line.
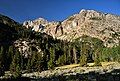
<point x="68" y="66"/>
<point x="104" y="64"/>
<point x="73" y="65"/>
<point x="90" y="64"/>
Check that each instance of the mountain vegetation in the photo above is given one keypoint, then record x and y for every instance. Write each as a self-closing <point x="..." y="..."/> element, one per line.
<point x="46" y="52"/>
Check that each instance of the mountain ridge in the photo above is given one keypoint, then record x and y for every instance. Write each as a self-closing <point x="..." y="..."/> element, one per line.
<point x="86" y="22"/>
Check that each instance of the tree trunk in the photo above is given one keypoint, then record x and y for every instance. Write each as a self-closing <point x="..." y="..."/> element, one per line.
<point x="75" y="55"/>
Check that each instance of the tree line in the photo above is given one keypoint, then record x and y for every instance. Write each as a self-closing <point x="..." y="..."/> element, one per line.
<point x="54" y="53"/>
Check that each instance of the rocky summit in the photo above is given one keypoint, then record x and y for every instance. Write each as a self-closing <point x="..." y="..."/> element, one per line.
<point x="103" y="26"/>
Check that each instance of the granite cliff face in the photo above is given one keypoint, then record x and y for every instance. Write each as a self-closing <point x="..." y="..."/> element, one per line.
<point x="103" y="26"/>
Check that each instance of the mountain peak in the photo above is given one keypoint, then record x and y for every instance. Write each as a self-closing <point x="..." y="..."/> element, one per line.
<point x="40" y="20"/>
<point x="88" y="11"/>
<point x="88" y="22"/>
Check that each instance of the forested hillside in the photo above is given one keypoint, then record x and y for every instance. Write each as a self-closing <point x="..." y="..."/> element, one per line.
<point x="45" y="52"/>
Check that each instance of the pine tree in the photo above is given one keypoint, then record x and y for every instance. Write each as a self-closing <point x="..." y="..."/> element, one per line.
<point x="1" y="62"/>
<point x="1" y="69"/>
<point x="65" y="54"/>
<point x="51" y="62"/>
<point x="15" y="67"/>
<point x="75" y="55"/>
<point x="9" y="56"/>
<point x="39" y="62"/>
<point x="17" y="72"/>
<point x="69" y="56"/>
<point x="1" y="54"/>
<point x="118" y="53"/>
<point x="33" y="60"/>
<point x="83" y="53"/>
<point x="28" y="66"/>
<point x="83" y="60"/>
<point x="11" y="52"/>
<point x="97" y="59"/>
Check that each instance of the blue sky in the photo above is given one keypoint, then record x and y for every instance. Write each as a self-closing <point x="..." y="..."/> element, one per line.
<point x="21" y="10"/>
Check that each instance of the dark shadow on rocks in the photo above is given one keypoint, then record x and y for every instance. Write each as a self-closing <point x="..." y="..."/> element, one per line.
<point x="91" y="76"/>
<point x="17" y="79"/>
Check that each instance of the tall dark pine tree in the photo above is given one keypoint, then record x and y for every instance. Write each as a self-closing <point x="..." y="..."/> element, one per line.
<point x="1" y="62"/>
<point x="65" y="54"/>
<point x="75" y="55"/>
<point x="69" y="55"/>
<point x="9" y="57"/>
<point x="39" y="63"/>
<point x="97" y="59"/>
<point x="28" y="66"/>
<point x="83" y="60"/>
<point x="33" y="61"/>
<point x="83" y="55"/>
<point x="15" y="67"/>
<point x="51" y="62"/>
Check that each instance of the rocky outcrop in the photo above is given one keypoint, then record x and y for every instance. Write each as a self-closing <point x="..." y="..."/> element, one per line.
<point x="36" y="25"/>
<point x="26" y="46"/>
<point x="87" y="22"/>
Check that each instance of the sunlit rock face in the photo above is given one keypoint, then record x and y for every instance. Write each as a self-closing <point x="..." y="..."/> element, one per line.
<point x="25" y="47"/>
<point x="103" y="26"/>
<point x="36" y="25"/>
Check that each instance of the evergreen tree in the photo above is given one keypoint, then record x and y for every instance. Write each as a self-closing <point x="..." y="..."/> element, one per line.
<point x="11" y="52"/>
<point x="1" y="69"/>
<point x="39" y="63"/>
<point x="118" y="53"/>
<point x="61" y="60"/>
<point x="28" y="66"/>
<point x="34" y="61"/>
<point x="65" y="54"/>
<point x="2" y="54"/>
<point x="69" y="58"/>
<point x="83" y="60"/>
<point x="75" y="55"/>
<point x="15" y="67"/>
<point x="17" y="72"/>
<point x="83" y="55"/>
<point x="97" y="59"/>
<point x="51" y="62"/>
<point x="1" y="62"/>
<point x="9" y="56"/>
